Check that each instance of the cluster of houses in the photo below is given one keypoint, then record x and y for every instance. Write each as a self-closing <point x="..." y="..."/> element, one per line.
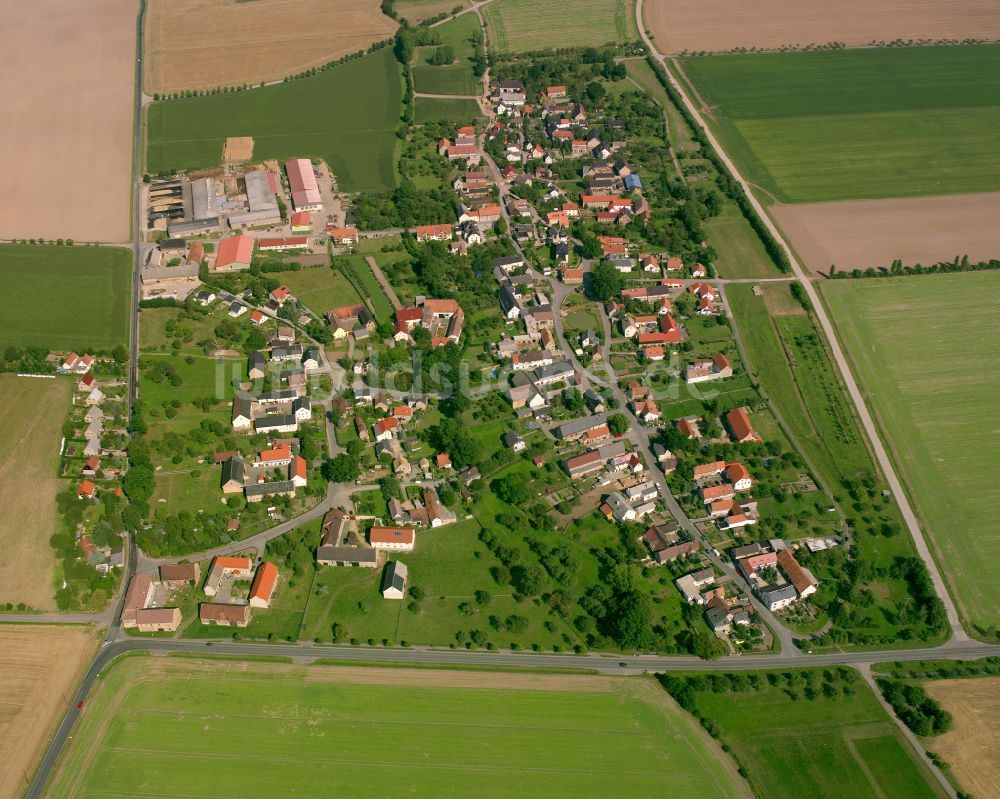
<point x="283" y="409"/>
<point x="147" y="607"/>
<point x="722" y="612"/>
<point x="719" y="485"/>
<point x="776" y="576"/>
<point x="276" y="471"/>
<point x="443" y="319"/>
<point x="342" y="544"/>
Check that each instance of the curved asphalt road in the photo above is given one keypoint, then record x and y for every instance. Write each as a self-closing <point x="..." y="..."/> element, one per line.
<point x="305" y="653"/>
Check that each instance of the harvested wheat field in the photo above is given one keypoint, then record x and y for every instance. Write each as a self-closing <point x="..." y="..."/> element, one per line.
<point x="66" y="139"/>
<point x="857" y="234"/>
<point x="718" y="25"/>
<point x="202" y="44"/>
<point x="972" y="747"/>
<point x="39" y="668"/>
<point x="32" y="411"/>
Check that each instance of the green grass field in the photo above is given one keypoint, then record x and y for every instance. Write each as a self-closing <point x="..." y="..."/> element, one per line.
<point x="523" y="25"/>
<point x="740" y="252"/>
<point x="170" y="727"/>
<point x="840" y="743"/>
<point x="456" y="78"/>
<point x="65" y="298"/>
<point x="430" y="109"/>
<point x="926" y="354"/>
<point x="346" y="116"/>
<point x="858" y="123"/>
<point x="320" y="288"/>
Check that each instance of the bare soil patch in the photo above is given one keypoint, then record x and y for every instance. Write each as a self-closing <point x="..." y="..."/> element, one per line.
<point x="32" y="411"/>
<point x="972" y="748"/>
<point x="66" y="139"/>
<point x="39" y="668"/>
<point x="679" y="25"/>
<point x="202" y="44"/>
<point x="863" y="233"/>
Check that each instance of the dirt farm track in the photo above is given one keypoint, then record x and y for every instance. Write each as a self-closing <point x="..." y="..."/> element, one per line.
<point x="39" y="668"/>
<point x="201" y="44"/>
<point x="714" y="25"/>
<point x="66" y="138"/>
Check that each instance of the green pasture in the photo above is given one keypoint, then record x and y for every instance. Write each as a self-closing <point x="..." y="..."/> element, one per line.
<point x="346" y="115"/>
<point x="922" y="348"/>
<point x="263" y="730"/>
<point x="813" y="733"/>
<point x="459" y="112"/>
<point x="65" y="298"/>
<point x="524" y="25"/>
<point x="455" y="78"/>
<point x="858" y="123"/>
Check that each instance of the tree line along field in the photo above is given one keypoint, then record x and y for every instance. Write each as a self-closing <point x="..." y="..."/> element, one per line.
<point x="806" y="732"/>
<point x="926" y="352"/>
<point x="857" y="124"/>
<point x="169" y="726"/>
<point x="346" y="115"/>
<point x="525" y="25"/>
<point x="72" y="298"/>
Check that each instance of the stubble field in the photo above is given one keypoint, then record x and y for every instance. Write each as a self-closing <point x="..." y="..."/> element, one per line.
<point x="857" y="124"/>
<point x="861" y="233"/>
<point x="972" y="747"/>
<point x="164" y="725"/>
<point x="32" y="411"/>
<point x="679" y="25"/>
<point x="66" y="140"/>
<point x="202" y="44"/>
<point x="924" y="350"/>
<point x="39" y="668"/>
<point x="524" y="25"/>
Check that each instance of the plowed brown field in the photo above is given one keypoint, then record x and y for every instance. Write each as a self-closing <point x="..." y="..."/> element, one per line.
<point x="714" y="25"/>
<point x="863" y="233"/>
<point x="66" y="136"/>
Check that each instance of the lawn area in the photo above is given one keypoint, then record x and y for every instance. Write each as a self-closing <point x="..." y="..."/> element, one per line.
<point x="346" y="115"/>
<point x="858" y="123"/>
<point x="68" y="298"/>
<point x="838" y="743"/>
<point x="429" y="109"/>
<point x="320" y="288"/>
<point x="740" y="253"/>
<point x="523" y="25"/>
<point x="936" y="406"/>
<point x="455" y="78"/>
<point x="163" y="725"/>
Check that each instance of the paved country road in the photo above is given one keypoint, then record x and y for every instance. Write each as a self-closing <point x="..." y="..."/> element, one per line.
<point x="958" y="632"/>
<point x="607" y="663"/>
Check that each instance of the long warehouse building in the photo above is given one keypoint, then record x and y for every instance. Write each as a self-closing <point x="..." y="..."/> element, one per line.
<point x="302" y="182"/>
